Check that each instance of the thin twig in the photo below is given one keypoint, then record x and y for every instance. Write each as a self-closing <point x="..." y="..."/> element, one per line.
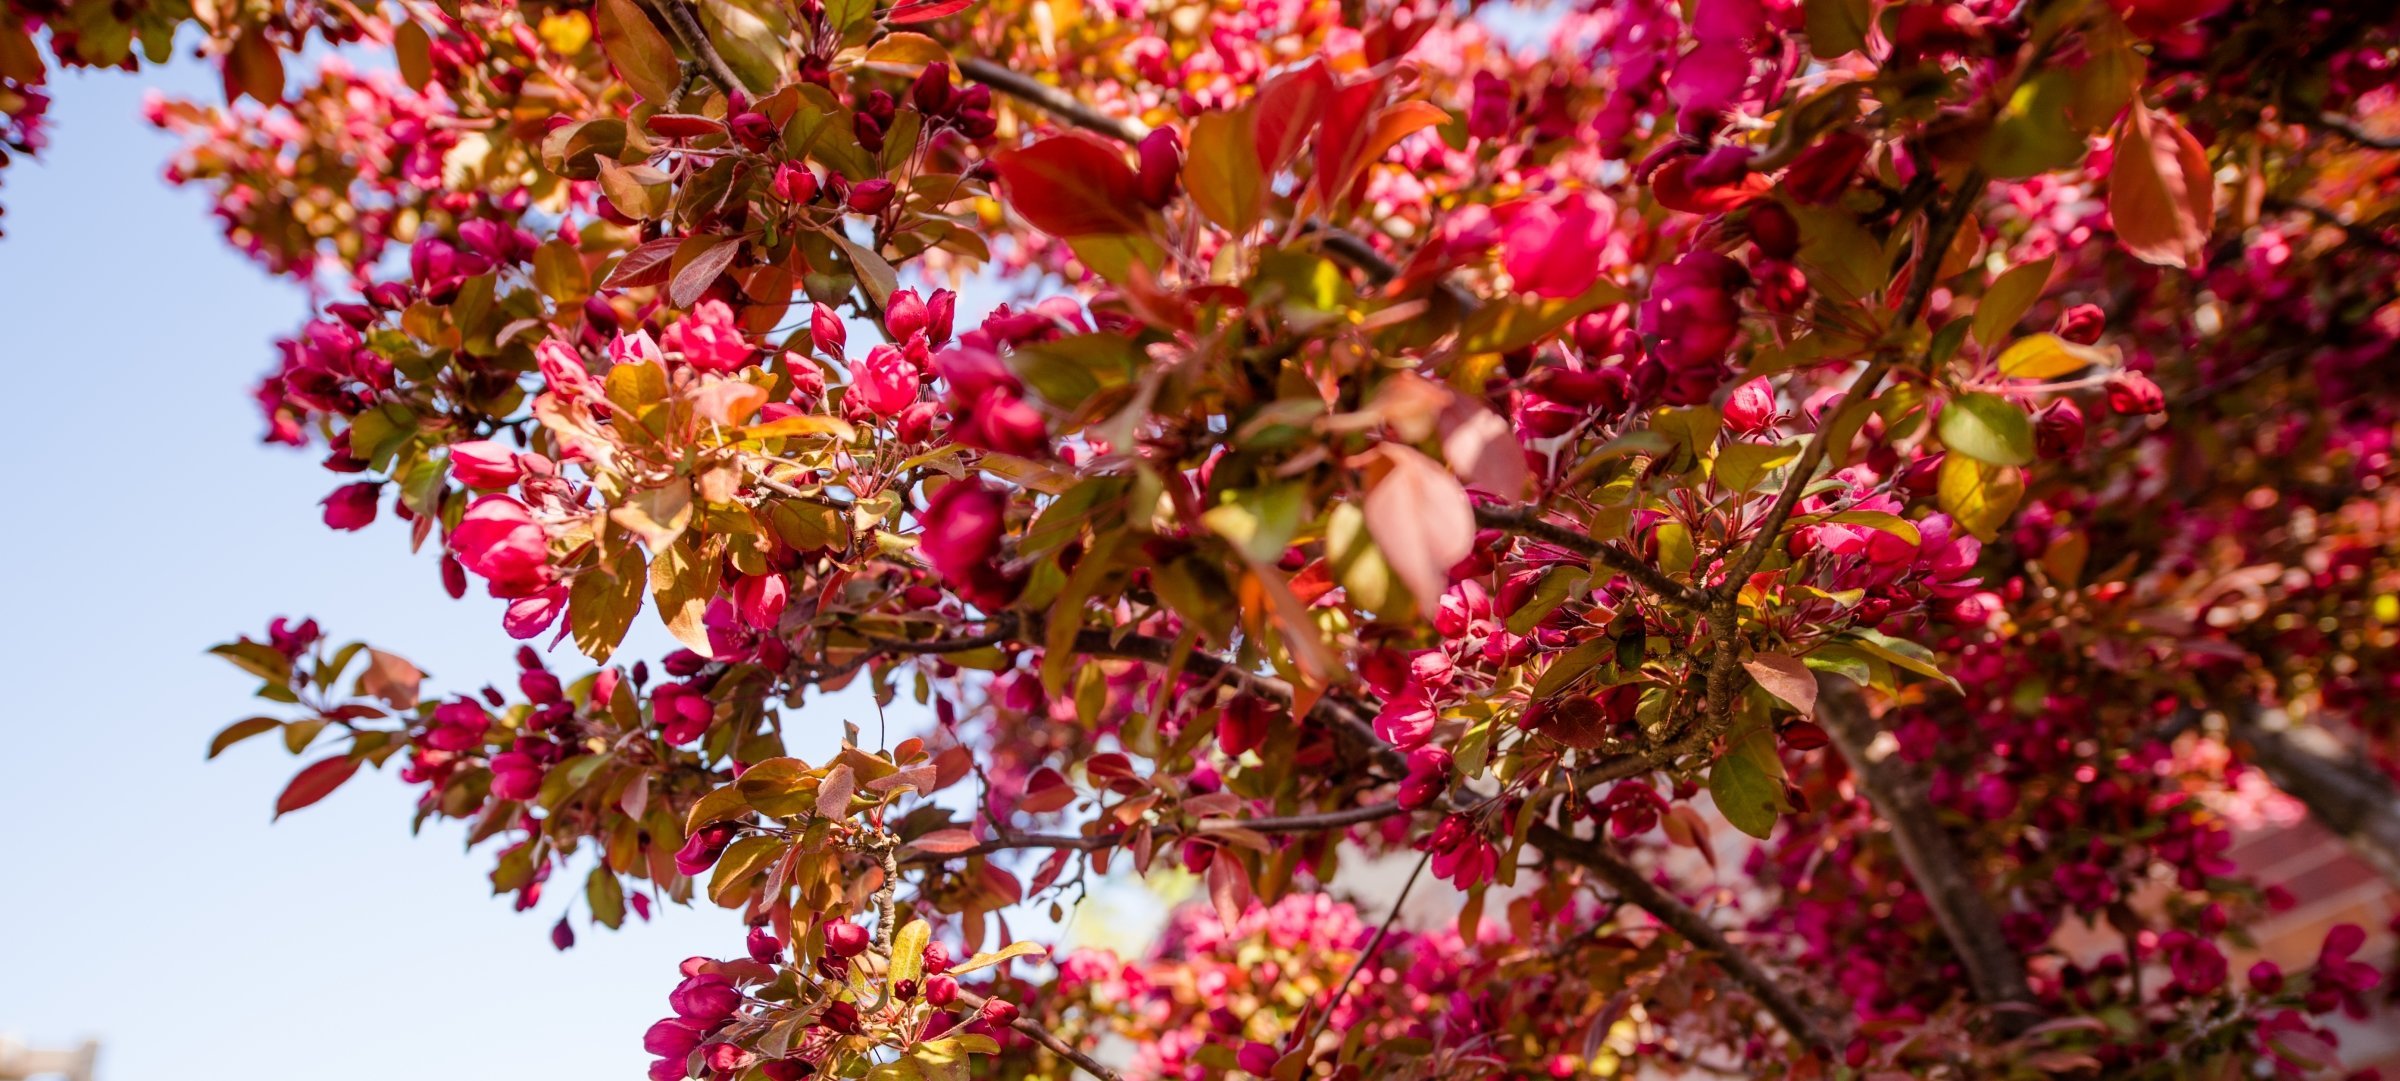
<point x="2349" y="129"/>
<point x="1303" y="823"/>
<point x="1034" y="1031"/>
<point x="1530" y="523"/>
<point x="1049" y="99"/>
<point x="687" y="31"/>
<point x="1318" y="1029"/>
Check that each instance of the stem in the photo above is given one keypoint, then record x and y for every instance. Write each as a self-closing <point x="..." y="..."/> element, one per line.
<point x="1049" y="99"/>
<point x="1033" y="1030"/>
<point x="1304" y="823"/>
<point x="1318" y="1029"/>
<point x="1528" y="522"/>
<point x="687" y="31"/>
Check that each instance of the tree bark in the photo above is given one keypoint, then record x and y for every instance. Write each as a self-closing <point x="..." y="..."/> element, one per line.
<point x="2342" y="791"/>
<point x="1994" y="970"/>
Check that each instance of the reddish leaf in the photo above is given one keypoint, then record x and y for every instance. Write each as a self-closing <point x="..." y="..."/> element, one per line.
<point x="638" y="50"/>
<point x="314" y="783"/>
<point x="1787" y="679"/>
<point x="645" y="265"/>
<point x="1420" y="518"/>
<point x="390" y="677"/>
<point x="917" y="11"/>
<point x="1229" y="887"/>
<point x="1071" y="185"/>
<point x="2161" y="196"/>
<point x="948" y="842"/>
<point x="1289" y="108"/>
<point x="698" y="262"/>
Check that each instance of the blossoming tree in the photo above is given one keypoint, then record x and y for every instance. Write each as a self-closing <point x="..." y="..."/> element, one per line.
<point x="1949" y="443"/>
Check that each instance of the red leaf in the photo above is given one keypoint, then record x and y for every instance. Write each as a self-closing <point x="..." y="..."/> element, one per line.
<point x="698" y="262"/>
<point x="684" y="126"/>
<point x="2161" y="195"/>
<point x="1229" y="887"/>
<point x="944" y="842"/>
<point x="1289" y="107"/>
<point x="314" y="783"/>
<point x="1072" y="185"/>
<point x="1420" y="518"/>
<point x="917" y="11"/>
<point x="645" y="265"/>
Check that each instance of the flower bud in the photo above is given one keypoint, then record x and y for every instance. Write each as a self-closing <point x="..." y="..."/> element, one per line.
<point x="870" y="196"/>
<point x="845" y="939"/>
<point x="826" y="329"/>
<point x="1750" y="409"/>
<point x="2082" y="324"/>
<point x="795" y="183"/>
<point x="1161" y="164"/>
<point x="931" y="91"/>
<point x="2132" y="394"/>
<point x="351" y="507"/>
<point x="999" y="1011"/>
<point x="2058" y="429"/>
<point x="941" y="991"/>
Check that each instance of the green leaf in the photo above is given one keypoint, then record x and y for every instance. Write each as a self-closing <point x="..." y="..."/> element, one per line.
<point x="1523" y="320"/>
<point x="908" y="951"/>
<point x="1741" y="466"/>
<point x="2048" y="356"/>
<point x="606" y="895"/>
<point x="776" y="788"/>
<point x="1880" y="520"/>
<point x="1836" y="27"/>
<point x="1572" y="665"/>
<point x="750" y="36"/>
<point x="1979" y="496"/>
<point x="1260" y="521"/>
<point x="1987" y="428"/>
<point x="1902" y="652"/>
<point x="1747" y="784"/>
<point x="2009" y="298"/>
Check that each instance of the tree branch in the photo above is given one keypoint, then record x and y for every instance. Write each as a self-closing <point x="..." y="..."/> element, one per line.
<point x="2350" y="797"/>
<point x="2349" y="129"/>
<point x="1530" y="523"/>
<point x="1994" y="969"/>
<point x="1635" y="887"/>
<point x="1049" y="99"/>
<point x="1033" y="1030"/>
<point x="1302" y="823"/>
<point x="687" y="31"/>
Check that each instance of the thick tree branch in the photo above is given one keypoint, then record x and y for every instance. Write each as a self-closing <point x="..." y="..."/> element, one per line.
<point x="1636" y="888"/>
<point x="2347" y="795"/>
<point x="1033" y="1030"/>
<point x="1994" y="970"/>
<point x="1529" y="522"/>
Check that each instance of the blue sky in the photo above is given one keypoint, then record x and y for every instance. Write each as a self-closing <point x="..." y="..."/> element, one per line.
<point x="147" y="899"/>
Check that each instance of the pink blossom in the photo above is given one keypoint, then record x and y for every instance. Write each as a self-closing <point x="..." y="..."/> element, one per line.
<point x="483" y="463"/>
<point x="882" y="384"/>
<point x="499" y="540"/>
<point x="709" y="338"/>
<point x="1557" y="247"/>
